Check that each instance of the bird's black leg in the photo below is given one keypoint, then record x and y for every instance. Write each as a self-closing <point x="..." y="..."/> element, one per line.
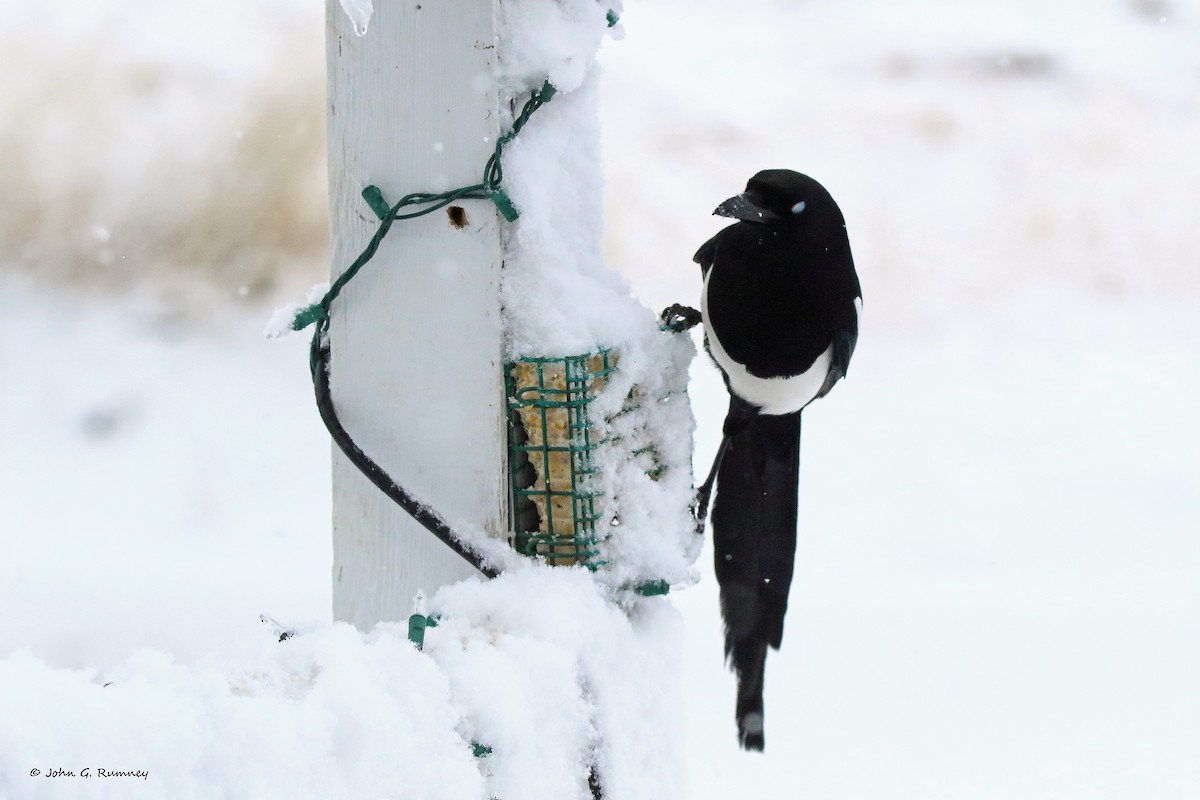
<point x="704" y="493"/>
<point x="740" y="413"/>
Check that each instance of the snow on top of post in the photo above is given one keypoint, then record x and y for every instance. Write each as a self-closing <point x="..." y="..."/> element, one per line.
<point x="553" y="40"/>
<point x="558" y="295"/>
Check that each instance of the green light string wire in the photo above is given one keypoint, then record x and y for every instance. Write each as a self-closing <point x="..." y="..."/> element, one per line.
<point x="487" y="189"/>
<point x="319" y="314"/>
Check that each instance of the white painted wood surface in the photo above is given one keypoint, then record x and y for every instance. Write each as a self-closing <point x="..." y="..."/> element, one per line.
<point x="416" y="340"/>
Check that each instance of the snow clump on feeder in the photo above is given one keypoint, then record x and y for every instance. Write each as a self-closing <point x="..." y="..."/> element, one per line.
<point x="601" y="447"/>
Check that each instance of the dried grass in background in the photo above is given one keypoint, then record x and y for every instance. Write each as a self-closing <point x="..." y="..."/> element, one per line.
<point x="125" y="166"/>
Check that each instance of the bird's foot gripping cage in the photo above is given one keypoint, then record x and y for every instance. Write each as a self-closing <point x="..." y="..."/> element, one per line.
<point x="551" y="448"/>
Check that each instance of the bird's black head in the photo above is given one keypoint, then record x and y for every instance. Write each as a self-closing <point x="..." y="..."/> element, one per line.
<point x="778" y="196"/>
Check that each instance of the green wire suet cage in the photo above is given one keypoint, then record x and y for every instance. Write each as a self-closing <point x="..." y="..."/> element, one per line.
<point x="551" y="443"/>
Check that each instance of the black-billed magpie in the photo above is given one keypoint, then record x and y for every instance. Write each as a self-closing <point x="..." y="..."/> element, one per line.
<point x="780" y="310"/>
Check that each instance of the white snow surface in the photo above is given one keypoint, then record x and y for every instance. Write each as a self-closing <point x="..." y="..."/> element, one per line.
<point x="555" y="675"/>
<point x="648" y="532"/>
<point x="536" y="664"/>
<point x="554" y="40"/>
<point x="559" y="297"/>
<point x="996" y="590"/>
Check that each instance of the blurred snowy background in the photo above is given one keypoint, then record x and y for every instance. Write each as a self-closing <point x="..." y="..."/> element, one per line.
<point x="998" y="587"/>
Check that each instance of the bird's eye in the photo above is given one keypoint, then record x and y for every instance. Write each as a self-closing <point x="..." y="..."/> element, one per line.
<point x="796" y="209"/>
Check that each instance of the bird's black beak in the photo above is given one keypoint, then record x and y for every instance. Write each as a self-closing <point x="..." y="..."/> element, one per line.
<point x="748" y="207"/>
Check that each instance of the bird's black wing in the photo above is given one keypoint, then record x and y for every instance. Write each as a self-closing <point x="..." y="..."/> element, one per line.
<point x="707" y="253"/>
<point x="842" y="345"/>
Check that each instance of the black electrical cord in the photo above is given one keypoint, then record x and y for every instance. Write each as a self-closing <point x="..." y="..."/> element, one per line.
<point x="428" y="518"/>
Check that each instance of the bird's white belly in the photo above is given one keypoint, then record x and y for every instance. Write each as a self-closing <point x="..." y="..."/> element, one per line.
<point x="772" y="395"/>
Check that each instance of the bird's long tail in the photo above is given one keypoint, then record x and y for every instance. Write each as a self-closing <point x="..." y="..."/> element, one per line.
<point x="754" y="537"/>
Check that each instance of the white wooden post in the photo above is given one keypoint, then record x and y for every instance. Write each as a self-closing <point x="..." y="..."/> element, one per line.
<point x="416" y="367"/>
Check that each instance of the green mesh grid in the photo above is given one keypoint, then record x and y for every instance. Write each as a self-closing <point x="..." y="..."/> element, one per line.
<point x="551" y="441"/>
